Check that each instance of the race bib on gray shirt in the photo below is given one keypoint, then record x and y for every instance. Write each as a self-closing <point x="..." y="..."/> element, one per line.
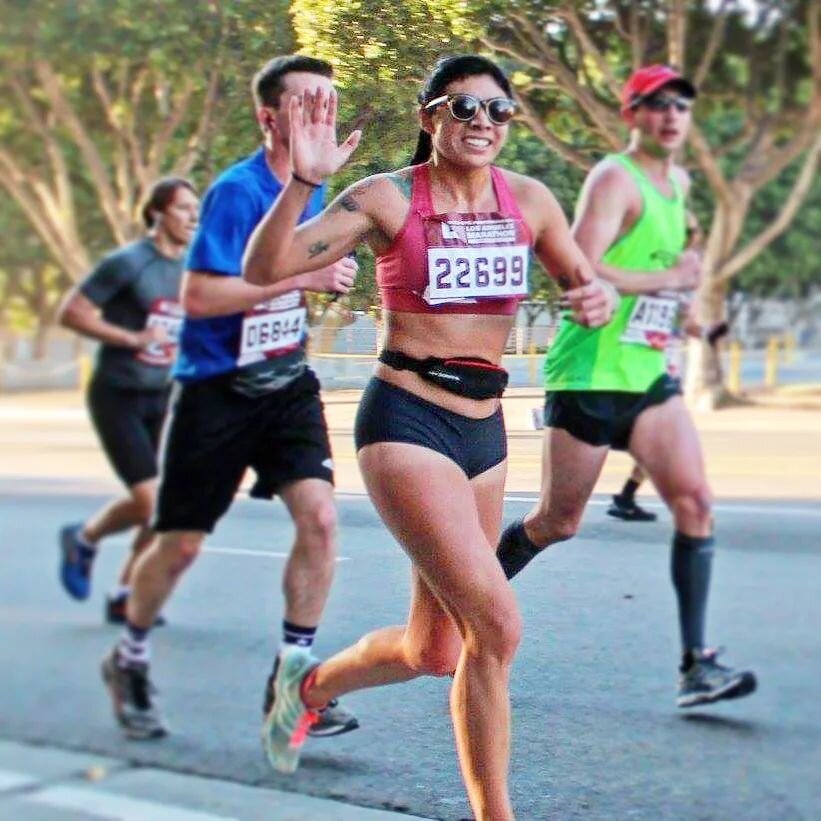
<point x="137" y="287"/>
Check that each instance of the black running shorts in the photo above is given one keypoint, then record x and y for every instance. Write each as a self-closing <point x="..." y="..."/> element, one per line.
<point x="605" y="417"/>
<point x="388" y="413"/>
<point x="128" y="422"/>
<point x="215" y="433"/>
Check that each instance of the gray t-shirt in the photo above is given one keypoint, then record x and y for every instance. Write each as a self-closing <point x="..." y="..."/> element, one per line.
<point x="135" y="287"/>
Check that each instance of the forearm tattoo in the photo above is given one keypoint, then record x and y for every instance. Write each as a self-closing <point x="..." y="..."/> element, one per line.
<point x="348" y="201"/>
<point x="317" y="248"/>
<point x="345" y="202"/>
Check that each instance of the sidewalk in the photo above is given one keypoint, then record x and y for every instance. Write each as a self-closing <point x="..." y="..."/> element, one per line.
<point x="41" y="782"/>
<point x="760" y="450"/>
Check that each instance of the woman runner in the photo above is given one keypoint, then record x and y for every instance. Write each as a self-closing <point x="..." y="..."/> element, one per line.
<point x="452" y="235"/>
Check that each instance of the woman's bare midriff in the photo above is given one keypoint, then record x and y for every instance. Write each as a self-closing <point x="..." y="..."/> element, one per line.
<point x="482" y="336"/>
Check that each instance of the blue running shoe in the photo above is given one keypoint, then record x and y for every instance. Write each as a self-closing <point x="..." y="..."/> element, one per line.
<point x="75" y="563"/>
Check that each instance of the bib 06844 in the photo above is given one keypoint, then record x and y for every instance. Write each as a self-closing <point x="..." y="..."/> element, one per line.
<point x="272" y="328"/>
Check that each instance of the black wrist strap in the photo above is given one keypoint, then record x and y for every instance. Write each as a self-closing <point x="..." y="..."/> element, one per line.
<point x="304" y="181"/>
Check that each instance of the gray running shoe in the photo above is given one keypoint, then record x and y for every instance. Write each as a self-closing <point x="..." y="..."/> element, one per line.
<point x="286" y="726"/>
<point x="706" y="681"/>
<point x="131" y="694"/>
<point x="333" y="719"/>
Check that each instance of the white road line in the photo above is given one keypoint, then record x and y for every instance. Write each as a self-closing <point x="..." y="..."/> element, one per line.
<point x="812" y="513"/>
<point x="23" y="413"/>
<point x="762" y="509"/>
<point x="10" y="780"/>
<point x="267" y="554"/>
<point x="109" y="805"/>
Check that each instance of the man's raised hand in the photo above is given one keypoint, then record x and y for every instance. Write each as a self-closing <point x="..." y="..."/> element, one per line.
<point x="315" y="154"/>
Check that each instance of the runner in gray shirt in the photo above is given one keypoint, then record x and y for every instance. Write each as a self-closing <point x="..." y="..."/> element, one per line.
<point x="129" y="303"/>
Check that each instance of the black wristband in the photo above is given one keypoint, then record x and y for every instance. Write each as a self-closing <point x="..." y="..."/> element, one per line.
<point x="716" y="332"/>
<point x="304" y="181"/>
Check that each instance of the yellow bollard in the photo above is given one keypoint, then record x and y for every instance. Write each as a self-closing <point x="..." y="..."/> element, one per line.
<point x="771" y="363"/>
<point x="734" y="376"/>
<point x="789" y="347"/>
<point x="533" y="369"/>
<point x="83" y="371"/>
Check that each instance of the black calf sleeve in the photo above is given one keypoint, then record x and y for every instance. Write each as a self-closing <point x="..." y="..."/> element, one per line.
<point x="690" y="564"/>
<point x="515" y="549"/>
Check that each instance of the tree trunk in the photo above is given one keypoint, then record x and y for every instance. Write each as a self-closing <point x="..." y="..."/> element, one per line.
<point x="704" y="386"/>
<point x="704" y="381"/>
<point x="40" y="344"/>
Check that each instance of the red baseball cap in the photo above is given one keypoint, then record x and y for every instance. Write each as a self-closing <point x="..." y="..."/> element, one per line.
<point x="645" y="81"/>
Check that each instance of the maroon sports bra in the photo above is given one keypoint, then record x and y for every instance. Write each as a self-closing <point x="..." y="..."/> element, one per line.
<point x="473" y="263"/>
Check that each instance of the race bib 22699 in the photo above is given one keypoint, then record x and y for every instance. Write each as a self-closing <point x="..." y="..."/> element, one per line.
<point x="473" y="273"/>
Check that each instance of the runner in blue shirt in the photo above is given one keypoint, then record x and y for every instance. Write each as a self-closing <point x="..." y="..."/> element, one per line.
<point x="246" y="397"/>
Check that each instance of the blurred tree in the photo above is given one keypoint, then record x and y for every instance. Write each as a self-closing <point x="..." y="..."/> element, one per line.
<point x="103" y="96"/>
<point x="790" y="267"/>
<point x="31" y="285"/>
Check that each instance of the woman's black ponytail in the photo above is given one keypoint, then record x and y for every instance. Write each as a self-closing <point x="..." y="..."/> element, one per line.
<point x="424" y="148"/>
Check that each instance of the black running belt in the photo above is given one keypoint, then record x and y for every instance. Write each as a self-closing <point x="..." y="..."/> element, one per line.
<point x="475" y="378"/>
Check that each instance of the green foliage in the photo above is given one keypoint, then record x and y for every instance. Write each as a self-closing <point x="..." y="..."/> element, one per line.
<point x="760" y="74"/>
<point x="791" y="266"/>
<point x="382" y="52"/>
<point x="144" y="53"/>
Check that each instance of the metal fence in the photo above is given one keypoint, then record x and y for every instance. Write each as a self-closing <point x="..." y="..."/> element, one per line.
<point x="344" y="357"/>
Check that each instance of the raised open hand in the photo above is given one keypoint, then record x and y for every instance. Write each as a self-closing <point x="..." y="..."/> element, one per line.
<point x="315" y="153"/>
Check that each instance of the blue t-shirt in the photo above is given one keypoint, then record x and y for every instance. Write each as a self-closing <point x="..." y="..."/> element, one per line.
<point x="234" y="205"/>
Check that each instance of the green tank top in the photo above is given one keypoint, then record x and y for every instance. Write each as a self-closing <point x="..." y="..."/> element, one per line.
<point x="600" y="359"/>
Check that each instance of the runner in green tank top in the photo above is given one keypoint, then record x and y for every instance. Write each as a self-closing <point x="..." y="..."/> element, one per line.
<point x="608" y="387"/>
<point x="624" y="505"/>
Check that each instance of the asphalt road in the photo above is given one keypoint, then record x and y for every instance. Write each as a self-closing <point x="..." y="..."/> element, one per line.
<point x="596" y="732"/>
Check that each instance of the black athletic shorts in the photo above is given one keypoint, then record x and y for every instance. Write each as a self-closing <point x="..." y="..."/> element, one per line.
<point x="605" y="417"/>
<point x="128" y="422"/>
<point x="214" y="433"/>
<point x="388" y="413"/>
